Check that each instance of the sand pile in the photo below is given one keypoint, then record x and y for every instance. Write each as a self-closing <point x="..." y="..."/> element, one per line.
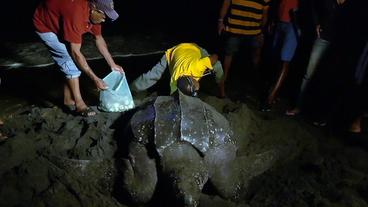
<point x="56" y="159"/>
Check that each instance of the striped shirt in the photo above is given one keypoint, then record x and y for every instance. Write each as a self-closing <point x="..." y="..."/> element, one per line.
<point x="246" y="16"/>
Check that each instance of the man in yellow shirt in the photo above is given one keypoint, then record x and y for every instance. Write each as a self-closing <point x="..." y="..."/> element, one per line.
<point x="187" y="63"/>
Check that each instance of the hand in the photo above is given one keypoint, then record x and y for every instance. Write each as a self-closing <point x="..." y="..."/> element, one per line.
<point x="118" y="68"/>
<point x="220" y="27"/>
<point x="100" y="84"/>
<point x="318" y="30"/>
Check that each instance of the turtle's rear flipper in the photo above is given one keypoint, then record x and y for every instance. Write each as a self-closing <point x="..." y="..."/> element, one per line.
<point x="185" y="171"/>
<point x="139" y="174"/>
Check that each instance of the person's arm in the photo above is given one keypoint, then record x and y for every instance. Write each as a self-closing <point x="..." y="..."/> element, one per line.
<point x="294" y="12"/>
<point x="216" y="64"/>
<point x="148" y="79"/>
<point x="213" y="58"/>
<point x="260" y="37"/>
<point x="315" y="16"/>
<point x="81" y="62"/>
<point x="272" y="17"/>
<point x="102" y="48"/>
<point x="264" y="17"/>
<point x="314" y="12"/>
<point x="223" y="11"/>
<point x="294" y="16"/>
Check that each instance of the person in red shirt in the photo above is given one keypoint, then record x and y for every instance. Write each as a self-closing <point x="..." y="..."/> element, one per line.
<point x="61" y="24"/>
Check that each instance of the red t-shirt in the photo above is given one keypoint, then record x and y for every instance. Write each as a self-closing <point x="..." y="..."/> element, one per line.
<point x="284" y="9"/>
<point x="68" y="19"/>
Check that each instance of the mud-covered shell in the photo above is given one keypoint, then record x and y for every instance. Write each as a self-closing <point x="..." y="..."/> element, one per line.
<point x="187" y="119"/>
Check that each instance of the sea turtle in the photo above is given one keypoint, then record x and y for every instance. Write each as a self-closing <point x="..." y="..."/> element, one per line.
<point x="185" y="143"/>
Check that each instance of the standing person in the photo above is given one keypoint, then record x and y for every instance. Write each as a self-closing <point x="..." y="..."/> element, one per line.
<point x="285" y="43"/>
<point x="61" y="24"/>
<point x="187" y="64"/>
<point x="325" y="13"/>
<point x="242" y="27"/>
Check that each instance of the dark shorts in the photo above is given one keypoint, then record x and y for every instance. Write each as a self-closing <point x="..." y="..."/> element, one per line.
<point x="285" y="40"/>
<point x="232" y="43"/>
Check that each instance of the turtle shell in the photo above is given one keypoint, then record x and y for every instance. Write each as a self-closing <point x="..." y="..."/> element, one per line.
<point x="183" y="119"/>
<point x="189" y="120"/>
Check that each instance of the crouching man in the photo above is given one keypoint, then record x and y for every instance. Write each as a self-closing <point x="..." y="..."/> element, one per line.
<point x="187" y="64"/>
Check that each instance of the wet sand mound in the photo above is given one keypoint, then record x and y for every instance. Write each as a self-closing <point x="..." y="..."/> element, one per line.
<point x="56" y="159"/>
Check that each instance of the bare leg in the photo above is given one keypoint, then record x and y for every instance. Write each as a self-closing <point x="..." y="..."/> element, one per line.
<point x="227" y="64"/>
<point x="73" y="85"/>
<point x="257" y="58"/>
<point x="280" y="80"/>
<point x="68" y="97"/>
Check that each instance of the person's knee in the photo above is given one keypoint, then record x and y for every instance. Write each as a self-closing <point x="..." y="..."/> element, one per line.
<point x="70" y="70"/>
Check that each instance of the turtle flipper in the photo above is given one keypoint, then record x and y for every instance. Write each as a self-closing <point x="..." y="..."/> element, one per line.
<point x="139" y="174"/>
<point x="185" y="171"/>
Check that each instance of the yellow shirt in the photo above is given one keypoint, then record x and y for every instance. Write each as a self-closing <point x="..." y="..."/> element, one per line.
<point x="186" y="59"/>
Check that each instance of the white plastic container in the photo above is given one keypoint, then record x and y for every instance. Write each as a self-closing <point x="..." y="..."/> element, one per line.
<point x="117" y="98"/>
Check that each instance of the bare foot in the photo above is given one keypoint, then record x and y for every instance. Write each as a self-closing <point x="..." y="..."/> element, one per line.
<point x="292" y="112"/>
<point x="86" y="112"/>
<point x="355" y="127"/>
<point x="69" y="103"/>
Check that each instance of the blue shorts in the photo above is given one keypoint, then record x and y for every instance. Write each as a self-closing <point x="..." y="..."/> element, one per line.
<point x="60" y="55"/>
<point x="233" y="43"/>
<point x="285" y="40"/>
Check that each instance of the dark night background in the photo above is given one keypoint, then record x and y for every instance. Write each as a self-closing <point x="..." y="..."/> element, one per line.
<point x="195" y="21"/>
<point x="187" y="19"/>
